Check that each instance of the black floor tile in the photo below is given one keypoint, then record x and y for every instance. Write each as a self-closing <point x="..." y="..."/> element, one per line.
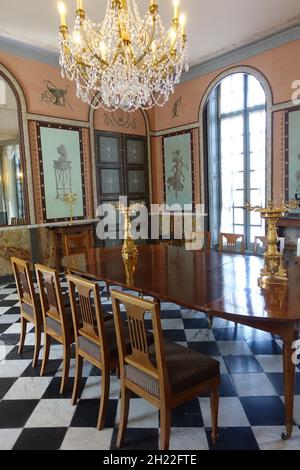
<point x="208" y="348"/>
<point x="264" y="411"/>
<point x="278" y="383"/>
<point x="5" y="384"/>
<point x="53" y="391"/>
<point x="9" y="339"/>
<point x="27" y="353"/>
<point x="264" y="347"/>
<point x="188" y="415"/>
<point x="86" y="414"/>
<point x="138" y="439"/>
<point x="177" y="336"/>
<point x="228" y="334"/>
<point x="233" y="439"/>
<point x="3" y="328"/>
<point x="51" y="370"/>
<point x="195" y="323"/>
<point x="15" y="413"/>
<point x="40" y="439"/>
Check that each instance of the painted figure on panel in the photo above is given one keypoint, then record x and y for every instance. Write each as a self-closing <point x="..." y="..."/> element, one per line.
<point x="63" y="173"/>
<point x="178" y="178"/>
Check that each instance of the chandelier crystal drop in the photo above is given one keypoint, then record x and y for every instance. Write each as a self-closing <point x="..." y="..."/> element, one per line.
<point x="126" y="62"/>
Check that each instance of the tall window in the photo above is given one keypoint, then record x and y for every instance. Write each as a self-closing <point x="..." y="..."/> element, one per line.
<point x="237" y="155"/>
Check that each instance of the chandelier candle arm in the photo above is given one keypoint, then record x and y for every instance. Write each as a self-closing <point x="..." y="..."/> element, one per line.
<point x="126" y="62"/>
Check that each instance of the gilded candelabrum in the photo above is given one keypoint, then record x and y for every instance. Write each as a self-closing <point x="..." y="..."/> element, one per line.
<point x="273" y="271"/>
<point x="70" y="200"/>
<point x="129" y="249"/>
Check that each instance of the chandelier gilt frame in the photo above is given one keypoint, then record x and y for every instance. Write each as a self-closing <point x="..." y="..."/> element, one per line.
<point x="126" y="62"/>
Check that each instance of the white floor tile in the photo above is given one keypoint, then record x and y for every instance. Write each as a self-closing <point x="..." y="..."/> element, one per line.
<point x="251" y="385"/>
<point x="87" y="367"/>
<point x="141" y="414"/>
<point x="28" y="388"/>
<point x="9" y="318"/>
<point x="4" y="310"/>
<point x="271" y="363"/>
<point x="231" y="412"/>
<point x="172" y="324"/>
<point x="269" y="438"/>
<point x="92" y="388"/>
<point x="199" y="335"/>
<point x="4" y="351"/>
<point x="13" y="368"/>
<point x="87" y="439"/>
<point x="188" y="439"/>
<point x="52" y="413"/>
<point x="8" y="438"/>
<point x="234" y="348"/>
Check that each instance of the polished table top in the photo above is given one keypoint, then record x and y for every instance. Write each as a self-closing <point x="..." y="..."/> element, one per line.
<point x="218" y="283"/>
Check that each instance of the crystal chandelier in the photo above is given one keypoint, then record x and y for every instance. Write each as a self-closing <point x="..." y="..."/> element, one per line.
<point x="126" y="62"/>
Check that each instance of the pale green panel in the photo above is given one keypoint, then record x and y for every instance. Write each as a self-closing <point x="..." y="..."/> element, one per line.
<point x="62" y="171"/>
<point x="178" y="169"/>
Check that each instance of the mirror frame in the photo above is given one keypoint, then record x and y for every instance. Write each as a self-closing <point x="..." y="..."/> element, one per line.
<point x="22" y="151"/>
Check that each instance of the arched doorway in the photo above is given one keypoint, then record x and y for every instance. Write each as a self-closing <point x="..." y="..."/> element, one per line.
<point x="236" y="154"/>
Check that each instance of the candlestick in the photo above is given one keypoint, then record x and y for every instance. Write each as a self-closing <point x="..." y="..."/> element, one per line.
<point x="176" y="8"/>
<point x="62" y="12"/>
<point x="182" y="22"/>
<point x="282" y="244"/>
<point x="298" y="248"/>
<point x="79" y="4"/>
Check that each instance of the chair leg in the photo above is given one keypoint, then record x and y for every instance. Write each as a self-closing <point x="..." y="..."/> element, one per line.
<point x="125" y="402"/>
<point x="105" y="380"/>
<point x="107" y="291"/>
<point x="214" y="404"/>
<point x="47" y="344"/>
<point x="66" y="368"/>
<point x="210" y="320"/>
<point x="165" y="429"/>
<point x="78" y="375"/>
<point x="38" y="335"/>
<point x="23" y="334"/>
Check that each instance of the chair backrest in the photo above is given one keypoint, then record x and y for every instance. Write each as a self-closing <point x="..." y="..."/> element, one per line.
<point x="25" y="286"/>
<point x="76" y="243"/>
<point x="257" y="241"/>
<point x="232" y="243"/>
<point x="51" y="295"/>
<point x="88" y="320"/>
<point x="138" y="354"/>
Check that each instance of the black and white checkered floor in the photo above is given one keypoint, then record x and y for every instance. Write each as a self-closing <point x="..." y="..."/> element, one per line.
<point x="34" y="416"/>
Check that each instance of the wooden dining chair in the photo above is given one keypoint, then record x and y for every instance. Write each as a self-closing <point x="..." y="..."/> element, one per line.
<point x="233" y="243"/>
<point x="164" y="373"/>
<point x="57" y="318"/>
<point x="257" y="242"/>
<point x="79" y="243"/>
<point x="30" y="307"/>
<point x="95" y="337"/>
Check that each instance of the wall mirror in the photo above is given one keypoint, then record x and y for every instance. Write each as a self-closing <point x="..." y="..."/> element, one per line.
<point x="12" y="184"/>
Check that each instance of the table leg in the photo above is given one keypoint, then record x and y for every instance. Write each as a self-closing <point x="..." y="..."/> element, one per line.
<point x="289" y="370"/>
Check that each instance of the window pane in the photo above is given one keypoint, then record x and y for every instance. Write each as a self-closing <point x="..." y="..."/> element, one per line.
<point x="256" y="94"/>
<point x="232" y="93"/>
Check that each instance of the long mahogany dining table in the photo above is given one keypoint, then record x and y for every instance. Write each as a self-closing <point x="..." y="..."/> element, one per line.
<point x="218" y="284"/>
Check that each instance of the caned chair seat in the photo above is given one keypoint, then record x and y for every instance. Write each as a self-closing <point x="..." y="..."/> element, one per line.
<point x="186" y="369"/>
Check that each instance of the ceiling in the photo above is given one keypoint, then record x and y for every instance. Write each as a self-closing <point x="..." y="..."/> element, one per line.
<point x="214" y="27"/>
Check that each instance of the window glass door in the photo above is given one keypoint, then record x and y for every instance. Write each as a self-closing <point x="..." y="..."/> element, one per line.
<point x="239" y="154"/>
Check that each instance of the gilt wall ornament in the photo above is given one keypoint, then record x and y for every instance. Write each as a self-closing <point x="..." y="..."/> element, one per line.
<point x="54" y="95"/>
<point x="120" y="119"/>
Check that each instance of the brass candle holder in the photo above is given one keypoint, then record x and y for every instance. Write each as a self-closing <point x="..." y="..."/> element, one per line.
<point x="129" y="249"/>
<point x="70" y="200"/>
<point x="273" y="271"/>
